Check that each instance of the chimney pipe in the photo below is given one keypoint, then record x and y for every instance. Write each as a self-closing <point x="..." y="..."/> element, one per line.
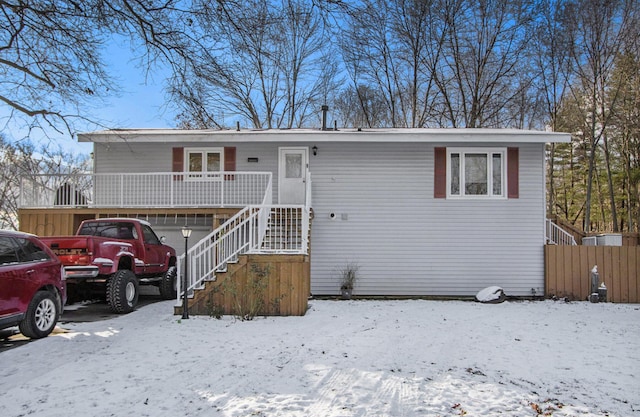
<point x="325" y="108"/>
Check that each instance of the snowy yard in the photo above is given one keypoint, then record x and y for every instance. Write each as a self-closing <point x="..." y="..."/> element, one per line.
<point x="344" y="358"/>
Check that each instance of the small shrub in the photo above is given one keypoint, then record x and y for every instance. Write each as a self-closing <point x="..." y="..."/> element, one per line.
<point x="349" y="275"/>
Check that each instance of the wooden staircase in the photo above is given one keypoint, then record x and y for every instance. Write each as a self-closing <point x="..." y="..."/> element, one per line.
<point x="233" y="272"/>
<point x="285" y="292"/>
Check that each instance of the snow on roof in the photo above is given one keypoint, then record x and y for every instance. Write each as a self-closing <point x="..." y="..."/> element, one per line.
<point x="319" y="136"/>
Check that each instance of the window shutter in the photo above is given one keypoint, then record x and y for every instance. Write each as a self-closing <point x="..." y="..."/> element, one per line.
<point x="229" y="161"/>
<point x="177" y="162"/>
<point x="513" y="166"/>
<point x="440" y="173"/>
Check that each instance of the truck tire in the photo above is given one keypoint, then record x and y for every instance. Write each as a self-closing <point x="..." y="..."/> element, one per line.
<point x="168" y="284"/>
<point x="41" y="316"/>
<point x="122" y="292"/>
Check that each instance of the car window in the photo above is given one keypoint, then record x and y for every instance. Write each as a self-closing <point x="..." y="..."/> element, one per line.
<point x="28" y="251"/>
<point x="8" y="253"/>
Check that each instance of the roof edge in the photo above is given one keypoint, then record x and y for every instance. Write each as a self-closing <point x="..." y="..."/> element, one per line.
<point x="317" y="135"/>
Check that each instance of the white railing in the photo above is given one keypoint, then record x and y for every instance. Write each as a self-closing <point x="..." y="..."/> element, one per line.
<point x="214" y="251"/>
<point x="555" y="235"/>
<point x="287" y="230"/>
<point x="158" y="190"/>
<point x="264" y="228"/>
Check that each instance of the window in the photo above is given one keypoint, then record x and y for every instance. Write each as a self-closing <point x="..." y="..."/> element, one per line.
<point x="204" y="163"/>
<point x="293" y="164"/>
<point x="149" y="235"/>
<point x="8" y="254"/>
<point x="29" y="251"/>
<point x="476" y="173"/>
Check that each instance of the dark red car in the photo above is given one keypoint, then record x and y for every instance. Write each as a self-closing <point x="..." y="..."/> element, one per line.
<point x="32" y="286"/>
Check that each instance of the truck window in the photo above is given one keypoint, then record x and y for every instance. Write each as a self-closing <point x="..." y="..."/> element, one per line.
<point x="149" y="235"/>
<point x="116" y="230"/>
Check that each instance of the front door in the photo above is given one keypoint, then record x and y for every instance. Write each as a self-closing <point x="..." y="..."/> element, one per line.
<point x="291" y="175"/>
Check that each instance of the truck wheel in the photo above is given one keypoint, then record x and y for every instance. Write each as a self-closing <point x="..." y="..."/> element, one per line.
<point x="122" y="291"/>
<point x="41" y="316"/>
<point x="168" y="284"/>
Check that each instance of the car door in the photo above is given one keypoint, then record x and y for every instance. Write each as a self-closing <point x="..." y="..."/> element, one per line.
<point x="13" y="276"/>
<point x="154" y="254"/>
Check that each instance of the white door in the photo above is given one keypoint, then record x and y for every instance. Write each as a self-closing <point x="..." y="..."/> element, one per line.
<point x="292" y="167"/>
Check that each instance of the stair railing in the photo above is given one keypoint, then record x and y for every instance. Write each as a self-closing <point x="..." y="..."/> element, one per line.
<point x="212" y="253"/>
<point x="555" y="235"/>
<point x="243" y="233"/>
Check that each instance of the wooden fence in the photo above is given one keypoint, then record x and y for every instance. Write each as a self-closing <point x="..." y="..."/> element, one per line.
<point x="568" y="271"/>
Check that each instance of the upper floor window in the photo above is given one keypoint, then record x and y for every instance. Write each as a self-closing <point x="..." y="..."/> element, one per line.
<point x="204" y="163"/>
<point x="476" y="173"/>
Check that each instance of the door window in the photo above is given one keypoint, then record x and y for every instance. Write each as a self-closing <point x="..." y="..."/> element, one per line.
<point x="293" y="166"/>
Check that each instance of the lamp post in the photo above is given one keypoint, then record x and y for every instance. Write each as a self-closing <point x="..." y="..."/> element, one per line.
<point x="186" y="232"/>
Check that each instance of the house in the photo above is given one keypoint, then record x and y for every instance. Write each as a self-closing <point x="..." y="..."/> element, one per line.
<point x="423" y="212"/>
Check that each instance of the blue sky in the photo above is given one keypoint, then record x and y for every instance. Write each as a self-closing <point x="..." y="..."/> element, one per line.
<point x="139" y="104"/>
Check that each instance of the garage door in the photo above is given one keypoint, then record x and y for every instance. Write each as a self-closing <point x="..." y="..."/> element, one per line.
<point x="173" y="234"/>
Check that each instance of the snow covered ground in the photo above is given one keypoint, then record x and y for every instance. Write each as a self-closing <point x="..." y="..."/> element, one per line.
<point x="344" y="358"/>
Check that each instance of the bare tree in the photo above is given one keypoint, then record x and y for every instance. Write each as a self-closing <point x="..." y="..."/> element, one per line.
<point x="267" y="63"/>
<point x="394" y="47"/>
<point x="50" y="52"/>
<point x="362" y="108"/>
<point x="550" y="52"/>
<point x="481" y="72"/>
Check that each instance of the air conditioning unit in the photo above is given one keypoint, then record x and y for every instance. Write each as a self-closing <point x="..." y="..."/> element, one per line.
<point x="589" y="241"/>
<point x="610" y="239"/>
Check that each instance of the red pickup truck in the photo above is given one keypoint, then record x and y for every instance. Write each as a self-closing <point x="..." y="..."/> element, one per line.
<point x="112" y="258"/>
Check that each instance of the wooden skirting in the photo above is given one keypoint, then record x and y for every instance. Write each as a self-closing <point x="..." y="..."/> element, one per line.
<point x="65" y="221"/>
<point x="568" y="271"/>
<point x="285" y="293"/>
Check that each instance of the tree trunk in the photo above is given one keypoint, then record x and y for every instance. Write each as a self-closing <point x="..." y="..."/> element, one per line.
<point x="612" y="199"/>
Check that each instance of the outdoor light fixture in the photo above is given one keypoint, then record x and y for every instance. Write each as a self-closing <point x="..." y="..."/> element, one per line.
<point x="186" y="232"/>
<point x="315" y="150"/>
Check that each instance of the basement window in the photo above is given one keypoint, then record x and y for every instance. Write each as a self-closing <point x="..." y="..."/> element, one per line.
<point x="476" y="172"/>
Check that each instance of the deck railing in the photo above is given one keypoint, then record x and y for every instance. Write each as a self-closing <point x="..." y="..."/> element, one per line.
<point x="158" y="190"/>
<point x="555" y="235"/>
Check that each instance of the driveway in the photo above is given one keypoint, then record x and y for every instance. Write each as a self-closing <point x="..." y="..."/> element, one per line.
<point x="86" y="311"/>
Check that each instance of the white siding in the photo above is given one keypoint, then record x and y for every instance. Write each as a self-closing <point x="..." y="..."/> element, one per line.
<point x="157" y="157"/>
<point x="405" y="241"/>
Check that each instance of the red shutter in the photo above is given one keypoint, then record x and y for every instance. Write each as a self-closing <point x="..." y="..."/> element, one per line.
<point x="177" y="162"/>
<point x="513" y="166"/>
<point x="230" y="161"/>
<point x="440" y="173"/>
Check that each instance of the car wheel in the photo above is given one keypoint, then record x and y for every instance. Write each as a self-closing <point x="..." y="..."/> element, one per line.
<point x="168" y="284"/>
<point x="41" y="316"/>
<point x="122" y="292"/>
